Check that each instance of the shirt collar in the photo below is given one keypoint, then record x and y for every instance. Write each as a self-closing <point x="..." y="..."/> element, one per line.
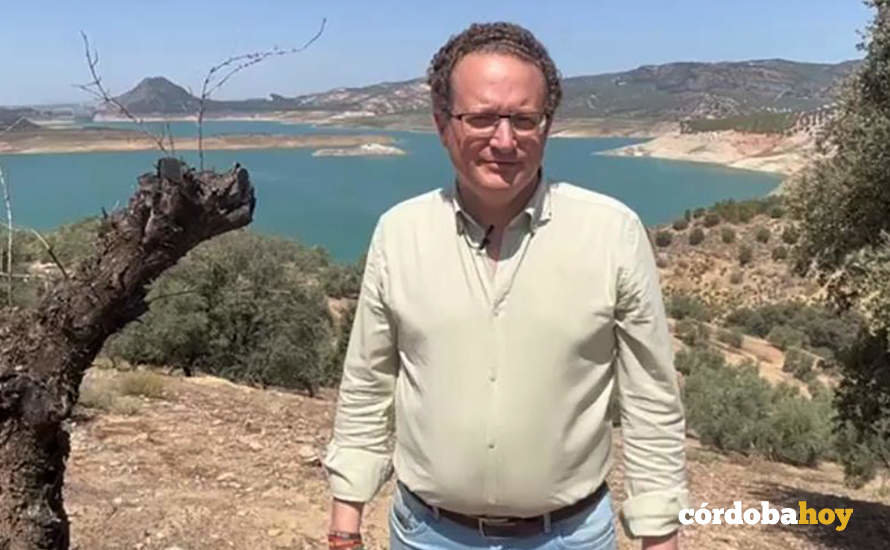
<point x="536" y="212"/>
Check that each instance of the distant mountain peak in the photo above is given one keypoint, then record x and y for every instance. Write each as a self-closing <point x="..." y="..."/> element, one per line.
<point x="157" y="94"/>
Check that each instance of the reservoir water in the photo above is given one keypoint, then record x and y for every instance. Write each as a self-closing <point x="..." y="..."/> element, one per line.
<point x="335" y="201"/>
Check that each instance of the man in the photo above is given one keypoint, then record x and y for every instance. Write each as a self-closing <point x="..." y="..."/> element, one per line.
<point x="497" y="321"/>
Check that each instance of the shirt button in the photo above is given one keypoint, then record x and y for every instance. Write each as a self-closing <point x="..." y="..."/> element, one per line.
<point x="492" y="377"/>
<point x="491" y="444"/>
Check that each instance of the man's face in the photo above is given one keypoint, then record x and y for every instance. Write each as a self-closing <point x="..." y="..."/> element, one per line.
<point x="502" y="163"/>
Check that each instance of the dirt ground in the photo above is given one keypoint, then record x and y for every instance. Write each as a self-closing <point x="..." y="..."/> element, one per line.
<point x="207" y="464"/>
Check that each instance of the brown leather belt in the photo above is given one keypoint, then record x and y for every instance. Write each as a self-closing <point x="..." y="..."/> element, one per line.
<point x="490" y="526"/>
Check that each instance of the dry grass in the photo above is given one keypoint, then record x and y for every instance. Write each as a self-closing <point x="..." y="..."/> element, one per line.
<point x="119" y="393"/>
<point x="142" y="384"/>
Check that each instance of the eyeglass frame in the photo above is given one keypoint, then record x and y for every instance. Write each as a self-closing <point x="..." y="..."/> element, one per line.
<point x="491" y="130"/>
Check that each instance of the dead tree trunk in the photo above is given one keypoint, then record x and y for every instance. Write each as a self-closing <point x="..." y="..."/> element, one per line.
<point x="45" y="352"/>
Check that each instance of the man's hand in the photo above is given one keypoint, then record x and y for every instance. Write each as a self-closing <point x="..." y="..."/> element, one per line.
<point x="666" y="542"/>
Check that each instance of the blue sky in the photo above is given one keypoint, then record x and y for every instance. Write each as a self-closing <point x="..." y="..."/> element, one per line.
<point x="41" y="55"/>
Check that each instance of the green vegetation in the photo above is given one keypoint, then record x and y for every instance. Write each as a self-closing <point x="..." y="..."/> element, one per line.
<point x="800" y="364"/>
<point x="816" y="328"/>
<point x="681" y="306"/>
<point x="663" y="238"/>
<point x="711" y="219"/>
<point x="692" y="332"/>
<point x="780" y="253"/>
<point x="245" y="307"/>
<point x="762" y="235"/>
<point x="732" y="408"/>
<point x="841" y="204"/>
<point x="733" y="337"/>
<point x="743" y="212"/>
<point x="790" y="235"/>
<point x="785" y="337"/>
<point x="736" y="277"/>
<point x="681" y="224"/>
<point x="757" y="123"/>
<point x="727" y="235"/>
<point x="696" y="236"/>
<point x="746" y="255"/>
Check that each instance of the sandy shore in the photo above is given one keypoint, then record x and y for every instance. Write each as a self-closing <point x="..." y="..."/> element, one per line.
<point x="766" y="153"/>
<point x="96" y="140"/>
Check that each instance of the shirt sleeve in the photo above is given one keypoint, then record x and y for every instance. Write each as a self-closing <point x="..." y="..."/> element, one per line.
<point x="358" y="458"/>
<point x="652" y="416"/>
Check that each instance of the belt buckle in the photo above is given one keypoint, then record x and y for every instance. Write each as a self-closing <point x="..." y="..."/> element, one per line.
<point x="482" y="521"/>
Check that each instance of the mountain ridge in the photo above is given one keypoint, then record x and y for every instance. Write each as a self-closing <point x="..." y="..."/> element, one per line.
<point x="665" y="92"/>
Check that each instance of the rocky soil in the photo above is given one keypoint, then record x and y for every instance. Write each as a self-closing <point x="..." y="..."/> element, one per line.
<point x="207" y="464"/>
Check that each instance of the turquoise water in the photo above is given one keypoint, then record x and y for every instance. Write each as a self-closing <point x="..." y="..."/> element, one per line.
<point x="335" y="201"/>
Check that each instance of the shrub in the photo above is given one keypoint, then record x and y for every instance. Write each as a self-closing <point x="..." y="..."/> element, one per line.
<point x="785" y="337"/>
<point x="696" y="236"/>
<point x="687" y="215"/>
<point x="711" y="219"/>
<point x="680" y="224"/>
<point x="790" y="235"/>
<point x="732" y="337"/>
<point x="727" y="406"/>
<point x="663" y="238"/>
<point x="142" y="383"/>
<point x="776" y="212"/>
<point x="798" y="431"/>
<point x="779" y="253"/>
<point x="745" y="216"/>
<point x="799" y="363"/>
<point x="733" y="409"/>
<point x="735" y="277"/>
<point x="691" y="332"/>
<point x="762" y="235"/>
<point x="727" y="235"/>
<point x="698" y="213"/>
<point x="745" y="255"/>
<point x="242" y="306"/>
<point x="687" y="361"/>
<point x="688" y="306"/>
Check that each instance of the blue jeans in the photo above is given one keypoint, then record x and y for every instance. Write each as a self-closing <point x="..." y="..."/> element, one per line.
<point x="413" y="526"/>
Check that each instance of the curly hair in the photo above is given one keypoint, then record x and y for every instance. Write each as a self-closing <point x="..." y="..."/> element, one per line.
<point x="499" y="37"/>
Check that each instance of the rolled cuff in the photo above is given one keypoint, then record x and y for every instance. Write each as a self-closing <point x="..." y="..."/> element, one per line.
<point x="653" y="514"/>
<point x="355" y="475"/>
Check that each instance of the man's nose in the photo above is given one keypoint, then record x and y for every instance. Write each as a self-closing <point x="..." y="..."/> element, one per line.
<point x="503" y="137"/>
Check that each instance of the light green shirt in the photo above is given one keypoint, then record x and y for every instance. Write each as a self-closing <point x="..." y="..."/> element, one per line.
<point x="501" y="385"/>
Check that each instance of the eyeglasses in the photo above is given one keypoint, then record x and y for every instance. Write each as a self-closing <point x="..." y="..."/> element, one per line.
<point x="485" y="124"/>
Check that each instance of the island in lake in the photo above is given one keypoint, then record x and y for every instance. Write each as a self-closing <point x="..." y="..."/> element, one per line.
<point x="365" y="149"/>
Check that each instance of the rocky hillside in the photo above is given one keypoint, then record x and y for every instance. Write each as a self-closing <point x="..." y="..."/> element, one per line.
<point x="159" y="95"/>
<point x="704" y="90"/>
<point x="662" y="92"/>
<point x="673" y="92"/>
<point x="705" y="256"/>
<point x="17" y="119"/>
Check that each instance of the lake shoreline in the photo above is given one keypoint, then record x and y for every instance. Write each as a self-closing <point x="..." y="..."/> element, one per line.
<point x="782" y="155"/>
<point x="112" y="140"/>
<point x="774" y="154"/>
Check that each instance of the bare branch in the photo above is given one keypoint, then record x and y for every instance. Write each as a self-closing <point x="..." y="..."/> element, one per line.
<point x="8" y="202"/>
<point x="52" y="254"/>
<point x="96" y="89"/>
<point x="235" y="65"/>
